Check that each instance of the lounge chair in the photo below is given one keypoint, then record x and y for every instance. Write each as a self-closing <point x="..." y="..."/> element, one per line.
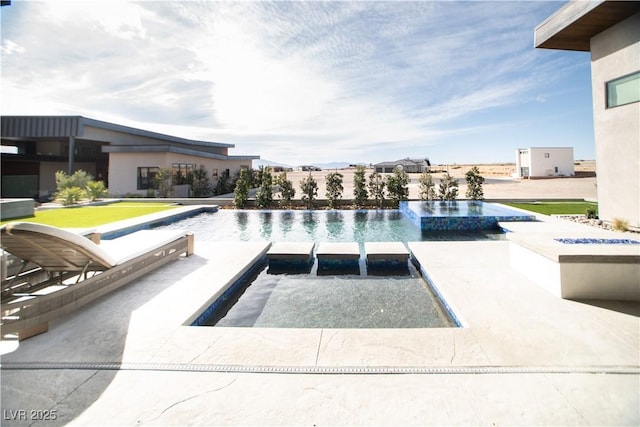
<point x="72" y="270"/>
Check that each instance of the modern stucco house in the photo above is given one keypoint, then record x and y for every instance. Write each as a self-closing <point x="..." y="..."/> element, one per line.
<point x="610" y="31"/>
<point x="538" y="162"/>
<point x="408" y="165"/>
<point x="125" y="158"/>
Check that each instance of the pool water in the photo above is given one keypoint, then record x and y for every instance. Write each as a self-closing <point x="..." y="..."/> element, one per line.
<point x="319" y="226"/>
<point x="320" y="299"/>
<point x="333" y="301"/>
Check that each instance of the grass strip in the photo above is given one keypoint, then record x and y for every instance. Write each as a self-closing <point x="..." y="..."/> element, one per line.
<point x="92" y="216"/>
<point x="556" y="208"/>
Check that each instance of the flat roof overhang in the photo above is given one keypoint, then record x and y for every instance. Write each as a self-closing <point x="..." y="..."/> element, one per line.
<point x="29" y="127"/>
<point x="573" y="25"/>
<point x="170" y="149"/>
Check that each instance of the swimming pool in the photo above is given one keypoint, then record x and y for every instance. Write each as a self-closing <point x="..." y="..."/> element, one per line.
<point x="334" y="301"/>
<point x="319" y="226"/>
<point x="314" y="299"/>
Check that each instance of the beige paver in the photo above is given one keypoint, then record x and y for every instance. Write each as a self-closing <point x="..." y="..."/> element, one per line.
<point x="291" y="250"/>
<point x="338" y="250"/>
<point x="511" y="324"/>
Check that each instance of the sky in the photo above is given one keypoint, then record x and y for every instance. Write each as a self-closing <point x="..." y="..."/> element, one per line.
<point x="305" y="82"/>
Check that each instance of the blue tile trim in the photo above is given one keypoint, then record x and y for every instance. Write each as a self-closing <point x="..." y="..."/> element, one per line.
<point x="443" y="302"/>
<point x="230" y="291"/>
<point x="445" y="222"/>
<point x="596" y="241"/>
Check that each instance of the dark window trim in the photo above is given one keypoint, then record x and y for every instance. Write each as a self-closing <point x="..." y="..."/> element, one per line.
<point x="150" y="185"/>
<point x="606" y="90"/>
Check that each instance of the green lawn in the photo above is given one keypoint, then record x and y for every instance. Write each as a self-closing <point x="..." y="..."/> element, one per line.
<point x="91" y="216"/>
<point x="556" y="208"/>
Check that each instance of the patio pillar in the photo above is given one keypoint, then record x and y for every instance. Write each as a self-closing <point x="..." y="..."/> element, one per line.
<point x="72" y="149"/>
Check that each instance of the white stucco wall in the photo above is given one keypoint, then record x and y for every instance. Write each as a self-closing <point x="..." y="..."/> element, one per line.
<point x="543" y="161"/>
<point x="616" y="53"/>
<point x="123" y="168"/>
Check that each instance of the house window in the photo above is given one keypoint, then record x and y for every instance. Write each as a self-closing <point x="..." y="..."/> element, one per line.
<point x="214" y="173"/>
<point x="179" y="172"/>
<point x="546" y="155"/>
<point x="624" y="90"/>
<point x="145" y="177"/>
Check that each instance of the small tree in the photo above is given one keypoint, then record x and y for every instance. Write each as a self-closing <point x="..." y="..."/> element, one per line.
<point x="223" y="184"/>
<point x="200" y="183"/>
<point x="96" y="190"/>
<point x="241" y="192"/>
<point x="78" y="179"/>
<point x="376" y="188"/>
<point x="264" y="197"/>
<point x="334" y="188"/>
<point x="360" y="194"/>
<point x="474" y="184"/>
<point x="163" y="181"/>
<point x="309" y="188"/>
<point x="448" y="189"/>
<point x="427" y="187"/>
<point x="287" y="192"/>
<point x="398" y="186"/>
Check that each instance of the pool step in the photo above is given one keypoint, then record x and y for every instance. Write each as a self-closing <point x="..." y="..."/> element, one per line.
<point x="284" y="255"/>
<point x="386" y="255"/>
<point x="338" y="255"/>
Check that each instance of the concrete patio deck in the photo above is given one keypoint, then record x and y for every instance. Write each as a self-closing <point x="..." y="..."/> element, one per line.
<point x="525" y="356"/>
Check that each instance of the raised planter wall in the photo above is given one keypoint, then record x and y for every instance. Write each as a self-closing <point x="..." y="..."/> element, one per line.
<point x="16" y="208"/>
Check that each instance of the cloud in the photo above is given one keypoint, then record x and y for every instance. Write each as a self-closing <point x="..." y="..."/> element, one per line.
<point x="304" y="80"/>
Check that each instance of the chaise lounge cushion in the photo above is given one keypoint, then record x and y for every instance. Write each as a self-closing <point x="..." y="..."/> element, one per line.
<point x="53" y="248"/>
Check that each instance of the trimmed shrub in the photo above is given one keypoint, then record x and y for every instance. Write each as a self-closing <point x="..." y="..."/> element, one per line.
<point x="376" y="188"/>
<point x="69" y="196"/>
<point x="96" y="190"/>
<point x="200" y="183"/>
<point x="334" y="188"/>
<point x="287" y="192"/>
<point x="264" y="197"/>
<point x="448" y="189"/>
<point x="309" y="188"/>
<point x="224" y="184"/>
<point x="163" y="181"/>
<point x="398" y="186"/>
<point x="241" y="192"/>
<point x="360" y="194"/>
<point x="474" y="184"/>
<point x="427" y="186"/>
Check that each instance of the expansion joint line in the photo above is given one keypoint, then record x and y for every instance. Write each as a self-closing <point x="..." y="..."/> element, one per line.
<point x="338" y="370"/>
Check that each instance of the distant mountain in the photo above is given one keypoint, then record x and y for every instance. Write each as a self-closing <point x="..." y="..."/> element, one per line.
<point x="264" y="162"/>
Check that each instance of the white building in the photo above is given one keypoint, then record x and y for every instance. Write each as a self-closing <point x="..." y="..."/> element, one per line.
<point x="538" y="162"/>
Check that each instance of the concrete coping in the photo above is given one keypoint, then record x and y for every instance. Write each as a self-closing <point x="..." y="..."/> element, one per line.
<point x="291" y="250"/>
<point x="338" y="250"/>
<point x="545" y="245"/>
<point x="386" y="250"/>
